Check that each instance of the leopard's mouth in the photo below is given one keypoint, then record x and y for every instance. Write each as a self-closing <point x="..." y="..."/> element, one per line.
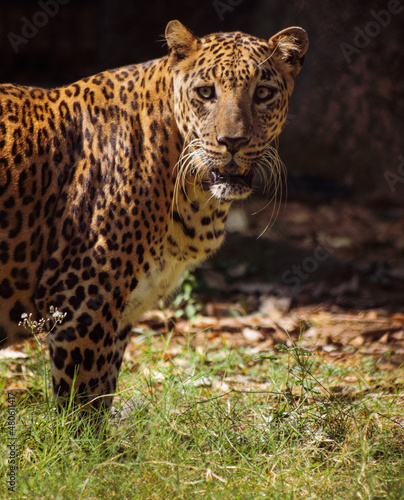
<point x="229" y="183"/>
<point x="217" y="177"/>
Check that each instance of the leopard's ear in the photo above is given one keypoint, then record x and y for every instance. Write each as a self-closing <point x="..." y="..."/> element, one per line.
<point x="181" y="41"/>
<point x="290" y="45"/>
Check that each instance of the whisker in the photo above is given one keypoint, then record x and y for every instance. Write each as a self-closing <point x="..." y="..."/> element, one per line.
<point x="271" y="171"/>
<point x="188" y="163"/>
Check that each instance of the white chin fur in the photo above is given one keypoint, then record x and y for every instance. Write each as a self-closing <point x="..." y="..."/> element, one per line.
<point x="225" y="192"/>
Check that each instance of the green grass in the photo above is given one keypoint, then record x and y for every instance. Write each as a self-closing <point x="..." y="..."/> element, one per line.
<point x="212" y="423"/>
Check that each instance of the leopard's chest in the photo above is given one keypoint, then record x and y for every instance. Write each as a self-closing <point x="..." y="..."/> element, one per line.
<point x="191" y="236"/>
<point x="157" y="283"/>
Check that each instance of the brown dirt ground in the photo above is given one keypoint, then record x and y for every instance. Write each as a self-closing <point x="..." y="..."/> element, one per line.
<point x="350" y="306"/>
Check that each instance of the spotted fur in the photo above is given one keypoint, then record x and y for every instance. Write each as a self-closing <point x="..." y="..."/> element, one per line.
<point x="112" y="186"/>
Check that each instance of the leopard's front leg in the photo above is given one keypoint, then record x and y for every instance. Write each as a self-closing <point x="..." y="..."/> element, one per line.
<point x="86" y="355"/>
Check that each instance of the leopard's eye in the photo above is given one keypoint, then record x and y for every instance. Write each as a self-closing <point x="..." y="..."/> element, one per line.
<point x="263" y="94"/>
<point x="206" y="92"/>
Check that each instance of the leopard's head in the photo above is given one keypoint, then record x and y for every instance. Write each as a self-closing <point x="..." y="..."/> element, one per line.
<point x="231" y="95"/>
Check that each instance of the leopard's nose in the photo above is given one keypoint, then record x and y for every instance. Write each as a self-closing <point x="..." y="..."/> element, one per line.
<point x="233" y="144"/>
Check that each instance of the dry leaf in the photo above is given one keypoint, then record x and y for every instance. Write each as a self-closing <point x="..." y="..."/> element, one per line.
<point x="357" y="341"/>
<point x="252" y="335"/>
<point x="12" y="354"/>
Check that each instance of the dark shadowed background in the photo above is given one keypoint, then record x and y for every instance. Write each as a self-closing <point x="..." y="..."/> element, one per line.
<point x="346" y="118"/>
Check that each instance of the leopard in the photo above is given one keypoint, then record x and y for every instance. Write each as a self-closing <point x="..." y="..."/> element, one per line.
<point x="113" y="186"/>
